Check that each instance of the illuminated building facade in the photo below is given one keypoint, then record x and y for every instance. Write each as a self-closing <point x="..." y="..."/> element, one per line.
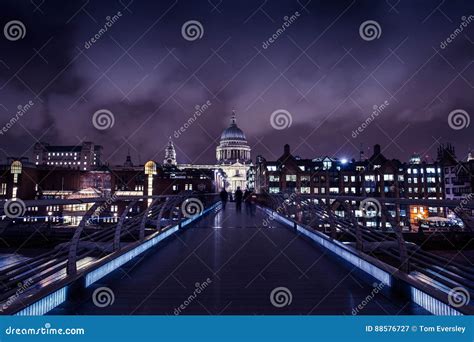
<point x="86" y="156"/>
<point x="376" y="176"/>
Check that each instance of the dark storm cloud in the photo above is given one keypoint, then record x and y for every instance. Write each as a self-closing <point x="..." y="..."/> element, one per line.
<point x="151" y="78"/>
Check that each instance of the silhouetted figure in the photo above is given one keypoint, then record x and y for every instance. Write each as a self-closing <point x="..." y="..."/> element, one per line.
<point x="238" y="199"/>
<point x="248" y="201"/>
<point x="253" y="203"/>
<point x="224" y="197"/>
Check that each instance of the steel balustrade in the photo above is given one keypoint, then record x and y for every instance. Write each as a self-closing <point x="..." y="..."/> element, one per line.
<point x="61" y="263"/>
<point x="413" y="261"/>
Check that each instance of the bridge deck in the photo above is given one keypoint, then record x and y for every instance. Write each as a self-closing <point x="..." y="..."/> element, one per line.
<point x="245" y="261"/>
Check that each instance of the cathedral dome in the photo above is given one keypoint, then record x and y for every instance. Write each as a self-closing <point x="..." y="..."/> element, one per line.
<point x="233" y="145"/>
<point x="233" y="133"/>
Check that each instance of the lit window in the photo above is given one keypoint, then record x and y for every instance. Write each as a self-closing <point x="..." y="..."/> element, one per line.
<point x="273" y="178"/>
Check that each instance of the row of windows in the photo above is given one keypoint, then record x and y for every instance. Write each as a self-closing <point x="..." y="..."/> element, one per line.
<point x="367" y="178"/>
<point x="428" y="170"/>
<point x="62" y="154"/>
<point x="346" y="190"/>
<point x="65" y="163"/>
<point x="327" y="165"/>
<point x="186" y="187"/>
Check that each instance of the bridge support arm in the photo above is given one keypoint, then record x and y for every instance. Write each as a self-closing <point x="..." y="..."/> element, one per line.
<point x="71" y="268"/>
<point x="145" y="218"/>
<point x="350" y="210"/>
<point x="118" y="228"/>
<point x="402" y="248"/>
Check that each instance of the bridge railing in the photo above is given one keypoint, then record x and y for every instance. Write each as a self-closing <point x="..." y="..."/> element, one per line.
<point x="93" y="246"/>
<point x="333" y="220"/>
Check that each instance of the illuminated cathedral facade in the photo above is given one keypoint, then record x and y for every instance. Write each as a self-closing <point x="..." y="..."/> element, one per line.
<point x="233" y="158"/>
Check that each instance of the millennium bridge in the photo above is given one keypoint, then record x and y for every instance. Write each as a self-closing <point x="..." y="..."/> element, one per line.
<point x="285" y="254"/>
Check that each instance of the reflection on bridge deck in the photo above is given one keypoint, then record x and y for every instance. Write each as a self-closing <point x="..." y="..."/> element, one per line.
<point x="242" y="262"/>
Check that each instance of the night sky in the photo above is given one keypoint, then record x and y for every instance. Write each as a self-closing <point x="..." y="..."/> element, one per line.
<point x="320" y="70"/>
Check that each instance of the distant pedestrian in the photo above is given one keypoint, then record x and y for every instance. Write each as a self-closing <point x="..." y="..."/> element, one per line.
<point x="248" y="202"/>
<point x="238" y="199"/>
<point x="253" y="203"/>
<point x="224" y="197"/>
